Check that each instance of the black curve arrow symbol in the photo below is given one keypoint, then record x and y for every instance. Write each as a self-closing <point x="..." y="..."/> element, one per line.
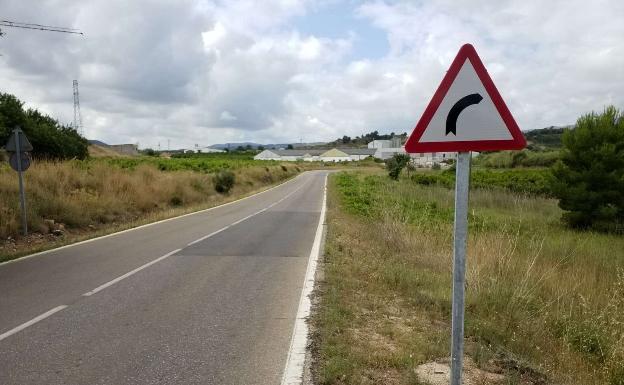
<point x="451" y="119"/>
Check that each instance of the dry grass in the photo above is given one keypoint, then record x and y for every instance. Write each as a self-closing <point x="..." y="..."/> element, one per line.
<point x="89" y="196"/>
<point x="544" y="304"/>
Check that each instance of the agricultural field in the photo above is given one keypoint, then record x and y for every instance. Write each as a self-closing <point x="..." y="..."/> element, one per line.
<point x="545" y="303"/>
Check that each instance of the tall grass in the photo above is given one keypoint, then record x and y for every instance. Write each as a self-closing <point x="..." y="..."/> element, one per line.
<point x="544" y="303"/>
<point x="79" y="194"/>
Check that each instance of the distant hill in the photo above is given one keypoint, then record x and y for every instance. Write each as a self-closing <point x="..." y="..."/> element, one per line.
<point x="546" y="138"/>
<point x="98" y="143"/>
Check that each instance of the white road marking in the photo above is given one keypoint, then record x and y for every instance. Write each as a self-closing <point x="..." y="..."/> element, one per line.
<point x="209" y="235"/>
<point x="145" y="225"/>
<point x="293" y="371"/>
<point x="247" y="217"/>
<point x="114" y="281"/>
<point x="31" y="322"/>
<point x="128" y="274"/>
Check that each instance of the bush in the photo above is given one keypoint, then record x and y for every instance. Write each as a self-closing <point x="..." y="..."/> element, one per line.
<point x="50" y="139"/>
<point x="395" y="164"/>
<point x="224" y="181"/>
<point x="512" y="159"/>
<point x="589" y="179"/>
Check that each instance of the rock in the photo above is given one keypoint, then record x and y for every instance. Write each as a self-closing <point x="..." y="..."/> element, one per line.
<point x="91" y="227"/>
<point x="49" y="222"/>
<point x="57" y="232"/>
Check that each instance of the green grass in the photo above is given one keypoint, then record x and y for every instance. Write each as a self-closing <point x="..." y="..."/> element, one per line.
<point x="542" y="301"/>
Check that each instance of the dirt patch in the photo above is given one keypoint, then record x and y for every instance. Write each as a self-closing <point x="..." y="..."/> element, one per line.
<point x="439" y="373"/>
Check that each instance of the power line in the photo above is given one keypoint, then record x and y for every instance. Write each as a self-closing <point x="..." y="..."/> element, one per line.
<point x="40" y="27"/>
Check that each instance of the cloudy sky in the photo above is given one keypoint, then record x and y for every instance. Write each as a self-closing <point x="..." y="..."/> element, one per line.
<point x="200" y="71"/>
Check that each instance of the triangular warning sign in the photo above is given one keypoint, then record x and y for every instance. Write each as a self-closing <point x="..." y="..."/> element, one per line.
<point x="466" y="113"/>
<point x="25" y="145"/>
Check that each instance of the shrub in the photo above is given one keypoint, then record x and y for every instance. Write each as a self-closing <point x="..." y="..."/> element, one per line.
<point x="589" y="179"/>
<point x="395" y="164"/>
<point x="284" y="168"/>
<point x="512" y="159"/>
<point x="224" y="181"/>
<point x="49" y="138"/>
<point x="176" y="201"/>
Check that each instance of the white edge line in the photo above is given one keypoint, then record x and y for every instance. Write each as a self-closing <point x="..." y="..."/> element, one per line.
<point x="293" y="371"/>
<point x="132" y="272"/>
<point x="145" y="225"/>
<point x="31" y="322"/>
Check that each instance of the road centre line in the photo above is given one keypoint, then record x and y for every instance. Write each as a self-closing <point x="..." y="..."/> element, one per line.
<point x="130" y="273"/>
<point x="247" y="217"/>
<point x="147" y="224"/>
<point x="31" y="322"/>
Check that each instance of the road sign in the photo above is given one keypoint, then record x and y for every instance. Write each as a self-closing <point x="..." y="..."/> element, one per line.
<point x="18" y="145"/>
<point x="466" y="113"/>
<point x="25" y="164"/>
<point x="24" y="143"/>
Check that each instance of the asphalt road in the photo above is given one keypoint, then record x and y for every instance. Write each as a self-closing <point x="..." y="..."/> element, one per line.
<point x="124" y="309"/>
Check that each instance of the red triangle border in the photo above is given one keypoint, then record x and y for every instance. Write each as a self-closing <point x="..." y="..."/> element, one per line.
<point x="466" y="52"/>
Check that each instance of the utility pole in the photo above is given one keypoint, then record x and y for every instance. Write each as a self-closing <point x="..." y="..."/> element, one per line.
<point x="77" y="114"/>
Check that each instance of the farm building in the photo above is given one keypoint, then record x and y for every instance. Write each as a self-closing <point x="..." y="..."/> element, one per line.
<point x="324" y="155"/>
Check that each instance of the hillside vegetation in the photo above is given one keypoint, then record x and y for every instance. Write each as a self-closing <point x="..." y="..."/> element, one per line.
<point x="50" y="139"/>
<point x="545" y="304"/>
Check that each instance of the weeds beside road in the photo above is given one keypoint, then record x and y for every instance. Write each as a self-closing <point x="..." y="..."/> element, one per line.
<point x="544" y="304"/>
<point x="85" y="198"/>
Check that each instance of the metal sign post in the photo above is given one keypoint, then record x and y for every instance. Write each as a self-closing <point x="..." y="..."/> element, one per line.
<point x="462" y="188"/>
<point x="466" y="113"/>
<point x="17" y="133"/>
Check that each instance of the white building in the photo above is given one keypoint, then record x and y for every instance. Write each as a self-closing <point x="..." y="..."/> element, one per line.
<point x="428" y="159"/>
<point x="324" y="155"/>
<point x="395" y="142"/>
<point x="386" y="149"/>
<point x="388" y="152"/>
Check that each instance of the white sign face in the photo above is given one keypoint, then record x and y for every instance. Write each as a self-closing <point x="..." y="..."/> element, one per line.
<point x="480" y="121"/>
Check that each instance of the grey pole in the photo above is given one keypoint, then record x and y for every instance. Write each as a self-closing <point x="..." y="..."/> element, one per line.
<point x="17" y="132"/>
<point x="462" y="187"/>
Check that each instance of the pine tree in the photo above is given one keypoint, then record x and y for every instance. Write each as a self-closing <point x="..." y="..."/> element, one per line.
<point x="589" y="178"/>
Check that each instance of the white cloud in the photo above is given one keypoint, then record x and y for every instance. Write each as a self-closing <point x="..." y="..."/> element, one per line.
<point x="201" y="71"/>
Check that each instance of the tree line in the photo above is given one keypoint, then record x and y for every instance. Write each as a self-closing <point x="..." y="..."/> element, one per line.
<point x="50" y="139"/>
